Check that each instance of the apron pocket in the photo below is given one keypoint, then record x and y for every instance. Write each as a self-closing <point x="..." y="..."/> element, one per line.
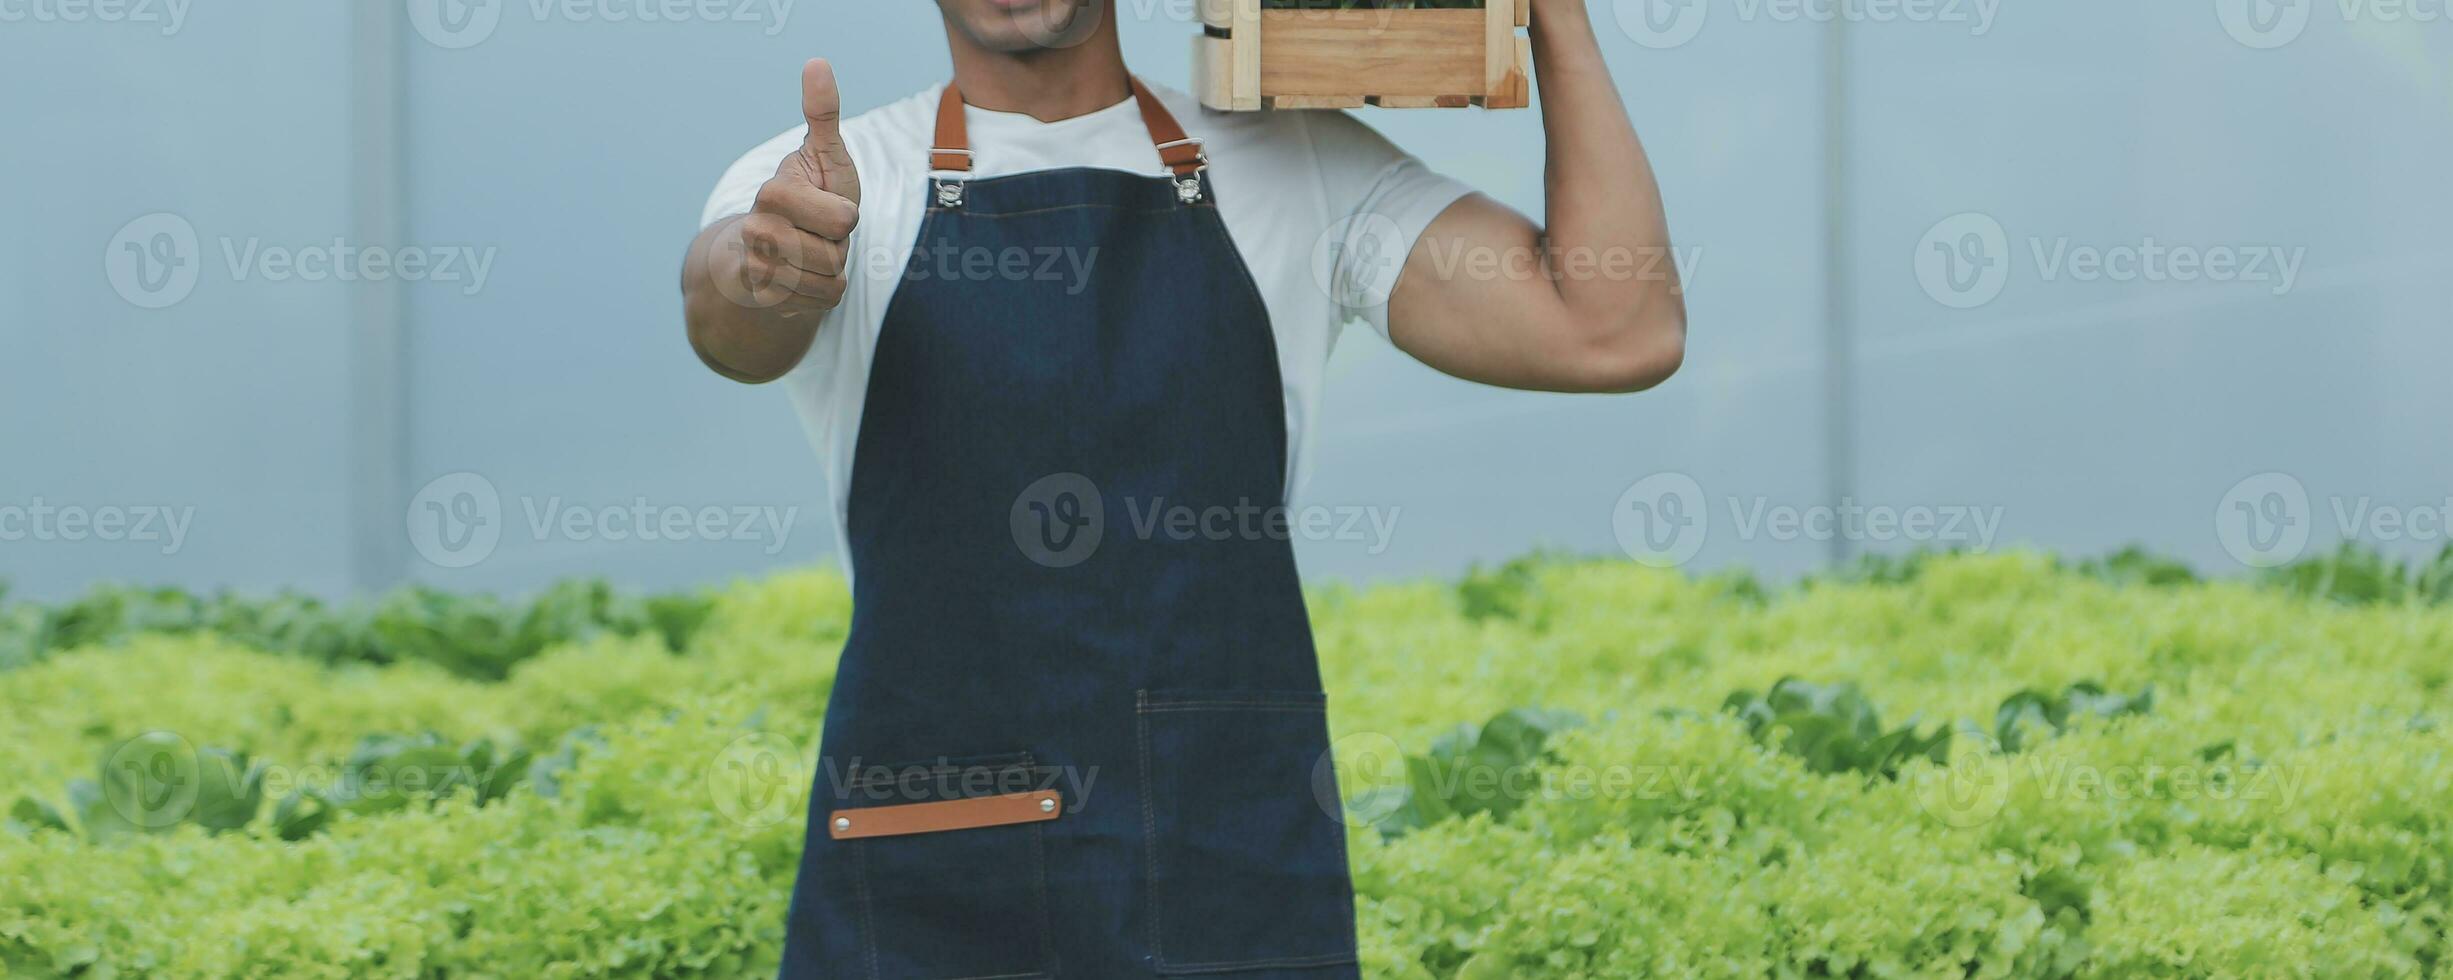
<point x="951" y="867"/>
<point x="1246" y="869"/>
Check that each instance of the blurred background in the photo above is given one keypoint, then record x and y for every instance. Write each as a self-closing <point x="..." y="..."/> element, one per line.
<point x="341" y="296"/>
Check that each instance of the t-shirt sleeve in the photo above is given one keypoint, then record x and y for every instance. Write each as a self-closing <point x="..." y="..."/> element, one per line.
<point x="1380" y="200"/>
<point x="737" y="190"/>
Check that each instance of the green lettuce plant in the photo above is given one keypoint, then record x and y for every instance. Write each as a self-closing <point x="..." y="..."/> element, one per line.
<point x="2215" y="778"/>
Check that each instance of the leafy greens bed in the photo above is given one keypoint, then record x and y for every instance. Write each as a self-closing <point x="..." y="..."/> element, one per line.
<point x="1940" y="766"/>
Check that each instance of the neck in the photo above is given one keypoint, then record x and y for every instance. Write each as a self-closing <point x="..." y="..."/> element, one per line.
<point x="1045" y="83"/>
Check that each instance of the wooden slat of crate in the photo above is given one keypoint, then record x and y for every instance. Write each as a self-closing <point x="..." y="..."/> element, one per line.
<point x="1421" y="101"/>
<point x="1502" y="77"/>
<point x="1213" y="71"/>
<point x="1515" y="90"/>
<point x="1247" y="54"/>
<point x="1221" y="14"/>
<point x="1419" y="53"/>
<point x="1235" y="63"/>
<point x="1316" y="102"/>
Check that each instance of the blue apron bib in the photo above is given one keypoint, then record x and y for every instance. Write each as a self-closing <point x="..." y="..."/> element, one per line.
<point x="1078" y="727"/>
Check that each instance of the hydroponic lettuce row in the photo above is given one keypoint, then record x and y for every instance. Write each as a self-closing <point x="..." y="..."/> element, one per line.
<point x="1945" y="766"/>
<point x="475" y="636"/>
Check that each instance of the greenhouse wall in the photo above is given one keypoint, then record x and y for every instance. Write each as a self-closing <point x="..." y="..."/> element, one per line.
<point x="1903" y="237"/>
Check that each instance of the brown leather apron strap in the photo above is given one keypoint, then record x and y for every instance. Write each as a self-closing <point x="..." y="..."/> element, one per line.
<point x="953" y="147"/>
<point x="945" y="815"/>
<point x="1182" y="155"/>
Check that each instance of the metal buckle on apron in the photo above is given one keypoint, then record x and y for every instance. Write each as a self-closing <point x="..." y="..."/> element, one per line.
<point x="949" y="189"/>
<point x="1188" y="185"/>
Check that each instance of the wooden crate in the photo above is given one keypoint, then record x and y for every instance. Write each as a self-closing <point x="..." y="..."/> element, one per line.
<point x="1248" y="57"/>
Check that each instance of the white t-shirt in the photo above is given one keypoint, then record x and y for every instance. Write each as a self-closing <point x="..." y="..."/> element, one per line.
<point x="1323" y="209"/>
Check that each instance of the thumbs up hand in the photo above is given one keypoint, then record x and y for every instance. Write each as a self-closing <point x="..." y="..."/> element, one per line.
<point x="797" y="236"/>
<point x="822" y="106"/>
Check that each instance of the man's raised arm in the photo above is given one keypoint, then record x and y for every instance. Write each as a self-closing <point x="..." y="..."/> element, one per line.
<point x="755" y="286"/>
<point x="1594" y="303"/>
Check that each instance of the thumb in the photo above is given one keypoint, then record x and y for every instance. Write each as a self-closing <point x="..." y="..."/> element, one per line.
<point x="822" y="105"/>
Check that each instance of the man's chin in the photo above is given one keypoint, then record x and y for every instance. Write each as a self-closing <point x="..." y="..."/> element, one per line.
<point x="1023" y="26"/>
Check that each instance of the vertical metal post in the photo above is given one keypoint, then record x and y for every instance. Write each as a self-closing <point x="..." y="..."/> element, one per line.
<point x="1839" y="294"/>
<point x="378" y="389"/>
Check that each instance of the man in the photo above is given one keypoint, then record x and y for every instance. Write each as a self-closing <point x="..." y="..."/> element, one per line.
<point x="1023" y="312"/>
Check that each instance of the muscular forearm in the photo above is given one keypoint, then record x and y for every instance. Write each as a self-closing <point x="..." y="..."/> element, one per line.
<point x="1608" y="241"/>
<point x="740" y="331"/>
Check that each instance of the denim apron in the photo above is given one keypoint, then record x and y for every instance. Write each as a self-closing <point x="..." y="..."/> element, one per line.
<point x="1078" y="728"/>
